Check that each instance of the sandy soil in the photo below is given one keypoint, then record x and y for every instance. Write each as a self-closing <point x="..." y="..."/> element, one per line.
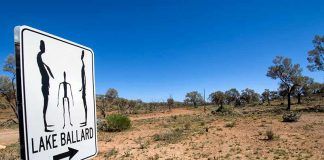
<point x="206" y="136"/>
<point x="246" y="140"/>
<point x="174" y="112"/>
<point x="8" y="136"/>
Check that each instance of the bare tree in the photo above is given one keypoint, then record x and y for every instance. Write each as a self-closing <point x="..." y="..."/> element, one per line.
<point x="288" y="74"/>
<point x="316" y="56"/>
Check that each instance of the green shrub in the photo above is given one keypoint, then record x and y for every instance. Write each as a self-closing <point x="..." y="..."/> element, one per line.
<point x="290" y="117"/>
<point x="225" y="110"/>
<point x="117" y="123"/>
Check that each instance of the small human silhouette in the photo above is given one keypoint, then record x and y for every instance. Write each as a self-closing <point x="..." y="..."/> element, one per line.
<point x="45" y="71"/>
<point x="83" y="89"/>
<point x="65" y="98"/>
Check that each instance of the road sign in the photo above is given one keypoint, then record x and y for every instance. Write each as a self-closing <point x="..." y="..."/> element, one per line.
<point x="56" y="97"/>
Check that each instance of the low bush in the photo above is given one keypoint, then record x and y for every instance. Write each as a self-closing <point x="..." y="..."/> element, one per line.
<point x="230" y="124"/>
<point x="111" y="153"/>
<point x="172" y="136"/>
<point x="225" y="110"/>
<point x="10" y="123"/>
<point x="290" y="117"/>
<point x="115" y="123"/>
<point x="270" y="135"/>
<point x="11" y="152"/>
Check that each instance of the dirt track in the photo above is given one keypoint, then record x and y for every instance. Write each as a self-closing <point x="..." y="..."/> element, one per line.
<point x="174" y="112"/>
<point x="11" y="136"/>
<point x="8" y="136"/>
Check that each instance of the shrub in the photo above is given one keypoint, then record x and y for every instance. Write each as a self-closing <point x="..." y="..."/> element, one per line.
<point x="116" y="123"/>
<point x="225" y="110"/>
<point x="111" y="153"/>
<point x="269" y="134"/>
<point x="102" y="124"/>
<point x="290" y="117"/>
<point x="230" y="124"/>
<point x="187" y="125"/>
<point x="11" y="152"/>
<point x="10" y="123"/>
<point x="172" y="136"/>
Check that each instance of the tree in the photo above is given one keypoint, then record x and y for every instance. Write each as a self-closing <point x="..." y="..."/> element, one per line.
<point x="232" y="95"/>
<point x="170" y="103"/>
<point x="102" y="104"/>
<point x="316" y="56"/>
<point x="288" y="74"/>
<point x="122" y="104"/>
<point x="107" y="100"/>
<point x="131" y="106"/>
<point x="249" y="96"/>
<point x="218" y="98"/>
<point x="274" y="95"/>
<point x="282" y="91"/>
<point x="303" y="87"/>
<point x="6" y="91"/>
<point x="8" y="85"/>
<point x="266" y="96"/>
<point x="315" y="87"/>
<point x="152" y="106"/>
<point x="194" y="98"/>
<point x="111" y="94"/>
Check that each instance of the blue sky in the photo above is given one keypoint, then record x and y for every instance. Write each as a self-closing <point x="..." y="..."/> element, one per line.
<point x="152" y="49"/>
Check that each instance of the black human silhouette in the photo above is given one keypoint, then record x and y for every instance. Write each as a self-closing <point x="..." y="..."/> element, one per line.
<point x="45" y="71"/>
<point x="83" y="89"/>
<point x="65" y="98"/>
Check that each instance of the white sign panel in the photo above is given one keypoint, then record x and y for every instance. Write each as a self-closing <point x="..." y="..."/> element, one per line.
<point x="56" y="97"/>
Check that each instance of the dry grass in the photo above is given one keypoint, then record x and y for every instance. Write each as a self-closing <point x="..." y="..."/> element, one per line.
<point x="253" y="133"/>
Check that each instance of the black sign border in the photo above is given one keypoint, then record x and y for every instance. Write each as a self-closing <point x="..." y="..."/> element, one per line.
<point x="22" y="113"/>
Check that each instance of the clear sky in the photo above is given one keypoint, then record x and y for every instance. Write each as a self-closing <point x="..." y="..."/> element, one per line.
<point x="152" y="49"/>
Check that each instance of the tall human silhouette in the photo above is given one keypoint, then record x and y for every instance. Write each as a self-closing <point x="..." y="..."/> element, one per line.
<point x="45" y="71"/>
<point x="65" y="98"/>
<point x="83" y="89"/>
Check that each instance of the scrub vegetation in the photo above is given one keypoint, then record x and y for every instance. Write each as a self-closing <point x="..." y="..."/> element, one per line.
<point x="286" y="123"/>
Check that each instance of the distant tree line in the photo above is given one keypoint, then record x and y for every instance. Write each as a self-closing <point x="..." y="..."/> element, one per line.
<point x="292" y="83"/>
